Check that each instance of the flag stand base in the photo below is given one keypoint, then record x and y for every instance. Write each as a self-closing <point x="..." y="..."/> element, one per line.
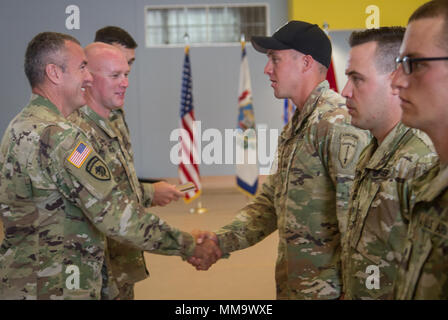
<point x="199" y="208"/>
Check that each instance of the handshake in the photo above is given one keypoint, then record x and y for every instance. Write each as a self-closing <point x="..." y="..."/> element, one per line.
<point x="207" y="250"/>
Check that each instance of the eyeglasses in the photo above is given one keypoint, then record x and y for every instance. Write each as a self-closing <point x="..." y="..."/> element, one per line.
<point x="406" y="62"/>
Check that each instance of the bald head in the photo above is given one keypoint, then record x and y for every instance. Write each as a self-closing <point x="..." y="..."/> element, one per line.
<point x="98" y="54"/>
<point x="110" y="70"/>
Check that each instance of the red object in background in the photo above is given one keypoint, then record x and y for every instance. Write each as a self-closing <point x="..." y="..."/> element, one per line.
<point x="331" y="77"/>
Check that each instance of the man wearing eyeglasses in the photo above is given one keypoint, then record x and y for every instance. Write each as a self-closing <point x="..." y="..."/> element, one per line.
<point x="422" y="80"/>
<point x="379" y="205"/>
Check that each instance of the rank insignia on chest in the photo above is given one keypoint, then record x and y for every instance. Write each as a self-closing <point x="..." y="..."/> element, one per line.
<point x="98" y="169"/>
<point x="79" y="155"/>
<point x="347" y="149"/>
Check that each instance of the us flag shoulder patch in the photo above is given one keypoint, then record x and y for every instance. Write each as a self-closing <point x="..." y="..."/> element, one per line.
<point x="79" y="155"/>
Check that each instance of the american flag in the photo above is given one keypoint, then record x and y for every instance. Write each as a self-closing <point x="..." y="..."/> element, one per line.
<point x="79" y="155"/>
<point x="188" y="167"/>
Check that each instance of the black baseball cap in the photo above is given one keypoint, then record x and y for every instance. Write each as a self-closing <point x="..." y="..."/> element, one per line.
<point x="302" y="36"/>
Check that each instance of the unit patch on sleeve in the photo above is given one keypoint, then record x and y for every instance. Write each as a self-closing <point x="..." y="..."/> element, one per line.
<point x="79" y="155"/>
<point x="98" y="169"/>
<point x="348" y="145"/>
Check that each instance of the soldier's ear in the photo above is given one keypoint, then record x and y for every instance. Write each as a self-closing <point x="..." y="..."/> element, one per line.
<point x="54" y="73"/>
<point x="308" y="62"/>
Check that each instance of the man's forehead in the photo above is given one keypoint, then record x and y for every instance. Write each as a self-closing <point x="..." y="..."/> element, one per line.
<point x="72" y="46"/>
<point x="272" y="52"/>
<point x="124" y="49"/>
<point x="74" y="50"/>
<point x="362" y="52"/>
<point x="421" y="35"/>
<point x="100" y="58"/>
<point x="114" y="64"/>
<point x="361" y="57"/>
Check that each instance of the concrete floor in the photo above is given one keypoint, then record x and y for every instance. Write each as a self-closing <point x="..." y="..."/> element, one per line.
<point x="247" y="274"/>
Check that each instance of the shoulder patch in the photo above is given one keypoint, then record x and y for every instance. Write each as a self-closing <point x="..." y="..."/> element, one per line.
<point x="98" y="169"/>
<point x="347" y="150"/>
<point x="79" y="154"/>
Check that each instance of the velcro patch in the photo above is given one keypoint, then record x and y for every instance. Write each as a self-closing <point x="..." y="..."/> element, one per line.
<point x="348" y="146"/>
<point x="98" y="169"/>
<point x="79" y="155"/>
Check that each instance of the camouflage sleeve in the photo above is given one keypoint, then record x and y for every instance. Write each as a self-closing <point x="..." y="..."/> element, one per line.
<point x="341" y="148"/>
<point x="102" y="200"/>
<point x="406" y="192"/>
<point x="252" y="224"/>
<point x="148" y="194"/>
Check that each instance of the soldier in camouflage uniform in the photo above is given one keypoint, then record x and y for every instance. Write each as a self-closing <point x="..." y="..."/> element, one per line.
<point x="381" y="197"/>
<point x="119" y="38"/>
<point x="156" y="194"/>
<point x="306" y="198"/>
<point x="61" y="194"/>
<point x="129" y="263"/>
<point x="422" y="83"/>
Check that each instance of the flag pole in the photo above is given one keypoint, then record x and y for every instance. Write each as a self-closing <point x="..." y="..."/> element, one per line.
<point x="331" y="74"/>
<point x="187" y="42"/>
<point x="326" y="26"/>
<point x="246" y="172"/>
<point x="243" y="45"/>
<point x="199" y="209"/>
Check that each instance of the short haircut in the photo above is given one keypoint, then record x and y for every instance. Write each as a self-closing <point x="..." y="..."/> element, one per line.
<point x="320" y="67"/>
<point x="433" y="9"/>
<point x="113" y="34"/>
<point x="388" y="41"/>
<point x="45" y="48"/>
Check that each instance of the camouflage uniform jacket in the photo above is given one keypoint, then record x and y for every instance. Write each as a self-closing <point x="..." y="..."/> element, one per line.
<point x="423" y="273"/>
<point x="57" y="215"/>
<point x="145" y="191"/>
<point x="127" y="263"/>
<point x="379" y="210"/>
<point x="306" y="199"/>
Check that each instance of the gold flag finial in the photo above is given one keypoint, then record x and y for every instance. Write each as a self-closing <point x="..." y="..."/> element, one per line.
<point x="243" y="41"/>
<point x="326" y="26"/>
<point x="187" y="42"/>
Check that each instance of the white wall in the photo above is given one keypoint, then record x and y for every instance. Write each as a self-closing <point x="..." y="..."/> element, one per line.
<point x="152" y="101"/>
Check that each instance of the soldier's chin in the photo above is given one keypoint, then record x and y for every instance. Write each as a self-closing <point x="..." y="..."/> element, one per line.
<point x="82" y="101"/>
<point x="279" y="95"/>
<point x="356" y="122"/>
<point x="408" y="120"/>
<point x="117" y="106"/>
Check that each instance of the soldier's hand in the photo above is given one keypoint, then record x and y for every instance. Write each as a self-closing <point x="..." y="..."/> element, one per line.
<point x="164" y="193"/>
<point x="207" y="250"/>
<point x="200" y="236"/>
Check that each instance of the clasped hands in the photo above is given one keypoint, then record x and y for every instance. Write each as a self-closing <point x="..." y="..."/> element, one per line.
<point x="207" y="250"/>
